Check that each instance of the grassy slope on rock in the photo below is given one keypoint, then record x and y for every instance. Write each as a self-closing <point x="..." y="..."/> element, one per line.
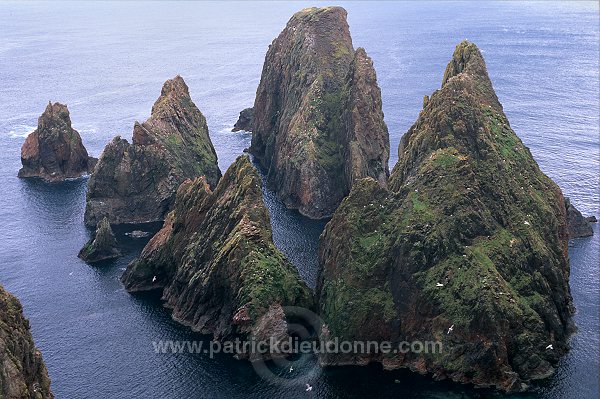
<point x="215" y="255"/>
<point x="469" y="208"/>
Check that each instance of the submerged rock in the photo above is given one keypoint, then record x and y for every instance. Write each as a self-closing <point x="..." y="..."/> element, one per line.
<point x="318" y="122"/>
<point x="579" y="226"/>
<point x="215" y="261"/>
<point x="245" y="120"/>
<point x="467" y="247"/>
<point x="54" y="151"/>
<point x="23" y="373"/>
<point x="102" y="246"/>
<point x="135" y="183"/>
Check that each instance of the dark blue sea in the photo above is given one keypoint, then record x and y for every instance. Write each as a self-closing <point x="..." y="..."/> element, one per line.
<point x="108" y="61"/>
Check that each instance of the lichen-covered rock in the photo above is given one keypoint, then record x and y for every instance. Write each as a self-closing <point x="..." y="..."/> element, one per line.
<point x="244" y="121"/>
<point x="318" y="122"/>
<point x="135" y="183"/>
<point x="216" y="262"/>
<point x="102" y="246"/>
<point x="23" y="374"/>
<point x="579" y="226"/>
<point x="467" y="247"/>
<point x="54" y="151"/>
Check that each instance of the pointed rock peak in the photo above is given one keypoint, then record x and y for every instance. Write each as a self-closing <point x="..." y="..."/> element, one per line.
<point x="55" y="112"/>
<point x="174" y="91"/>
<point x="362" y="63"/>
<point x="242" y="173"/>
<point x="467" y="59"/>
<point x="174" y="86"/>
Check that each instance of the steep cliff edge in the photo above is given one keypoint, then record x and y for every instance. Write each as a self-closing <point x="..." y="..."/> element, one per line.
<point x="318" y="122"/>
<point x="137" y="182"/>
<point x="54" y="151"/>
<point x="215" y="261"/>
<point x="22" y="370"/>
<point x="467" y="247"/>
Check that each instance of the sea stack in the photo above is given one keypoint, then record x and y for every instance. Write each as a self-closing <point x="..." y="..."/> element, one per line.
<point x="318" y="122"/>
<point x="244" y="121"/>
<point x="54" y="151"/>
<point x="467" y="247"/>
<point x="102" y="246"/>
<point x="23" y="373"/>
<point x="135" y="183"/>
<point x="215" y="262"/>
<point x="579" y="226"/>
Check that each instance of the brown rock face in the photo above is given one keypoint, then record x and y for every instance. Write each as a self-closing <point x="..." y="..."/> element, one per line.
<point x="318" y="122"/>
<point x="137" y="182"/>
<point x="215" y="261"/>
<point x="102" y="246"/>
<point x="467" y="247"/>
<point x="54" y="151"/>
<point x="22" y="370"/>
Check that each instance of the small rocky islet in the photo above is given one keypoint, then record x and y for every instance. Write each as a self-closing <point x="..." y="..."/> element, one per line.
<point x="464" y="243"/>
<point x="54" y="151"/>
<point x="102" y="246"/>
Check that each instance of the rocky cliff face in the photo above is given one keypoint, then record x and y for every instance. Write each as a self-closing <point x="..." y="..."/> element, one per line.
<point x="318" y="122"/>
<point x="467" y="247"/>
<point x="54" y="151"/>
<point x="245" y="120"/>
<point x="22" y="370"/>
<point x="578" y="225"/>
<point x="137" y="182"/>
<point x="102" y="246"/>
<point x="216" y="262"/>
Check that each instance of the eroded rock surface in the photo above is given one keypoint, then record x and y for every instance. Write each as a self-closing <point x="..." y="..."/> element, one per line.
<point x="54" y="151"/>
<point x="23" y="373"/>
<point x="244" y="121"/>
<point x="467" y="247"/>
<point x="579" y="226"/>
<point x="215" y="261"/>
<point x="318" y="122"/>
<point x="135" y="183"/>
<point x="102" y="246"/>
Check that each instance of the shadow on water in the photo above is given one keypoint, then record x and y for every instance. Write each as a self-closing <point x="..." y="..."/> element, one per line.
<point x="294" y="234"/>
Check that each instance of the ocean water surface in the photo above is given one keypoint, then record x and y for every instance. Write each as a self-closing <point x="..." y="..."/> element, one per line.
<point x="107" y="62"/>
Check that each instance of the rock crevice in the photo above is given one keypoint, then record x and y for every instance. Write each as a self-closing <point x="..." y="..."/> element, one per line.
<point x="215" y="261"/>
<point x="318" y="122"/>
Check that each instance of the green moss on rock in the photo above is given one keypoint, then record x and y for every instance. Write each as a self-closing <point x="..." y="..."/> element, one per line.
<point x="215" y="261"/>
<point x="470" y="234"/>
<point x="135" y="183"/>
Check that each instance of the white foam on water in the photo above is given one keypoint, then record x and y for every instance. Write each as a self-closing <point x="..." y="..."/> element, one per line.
<point x="20" y="131"/>
<point x="226" y="129"/>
